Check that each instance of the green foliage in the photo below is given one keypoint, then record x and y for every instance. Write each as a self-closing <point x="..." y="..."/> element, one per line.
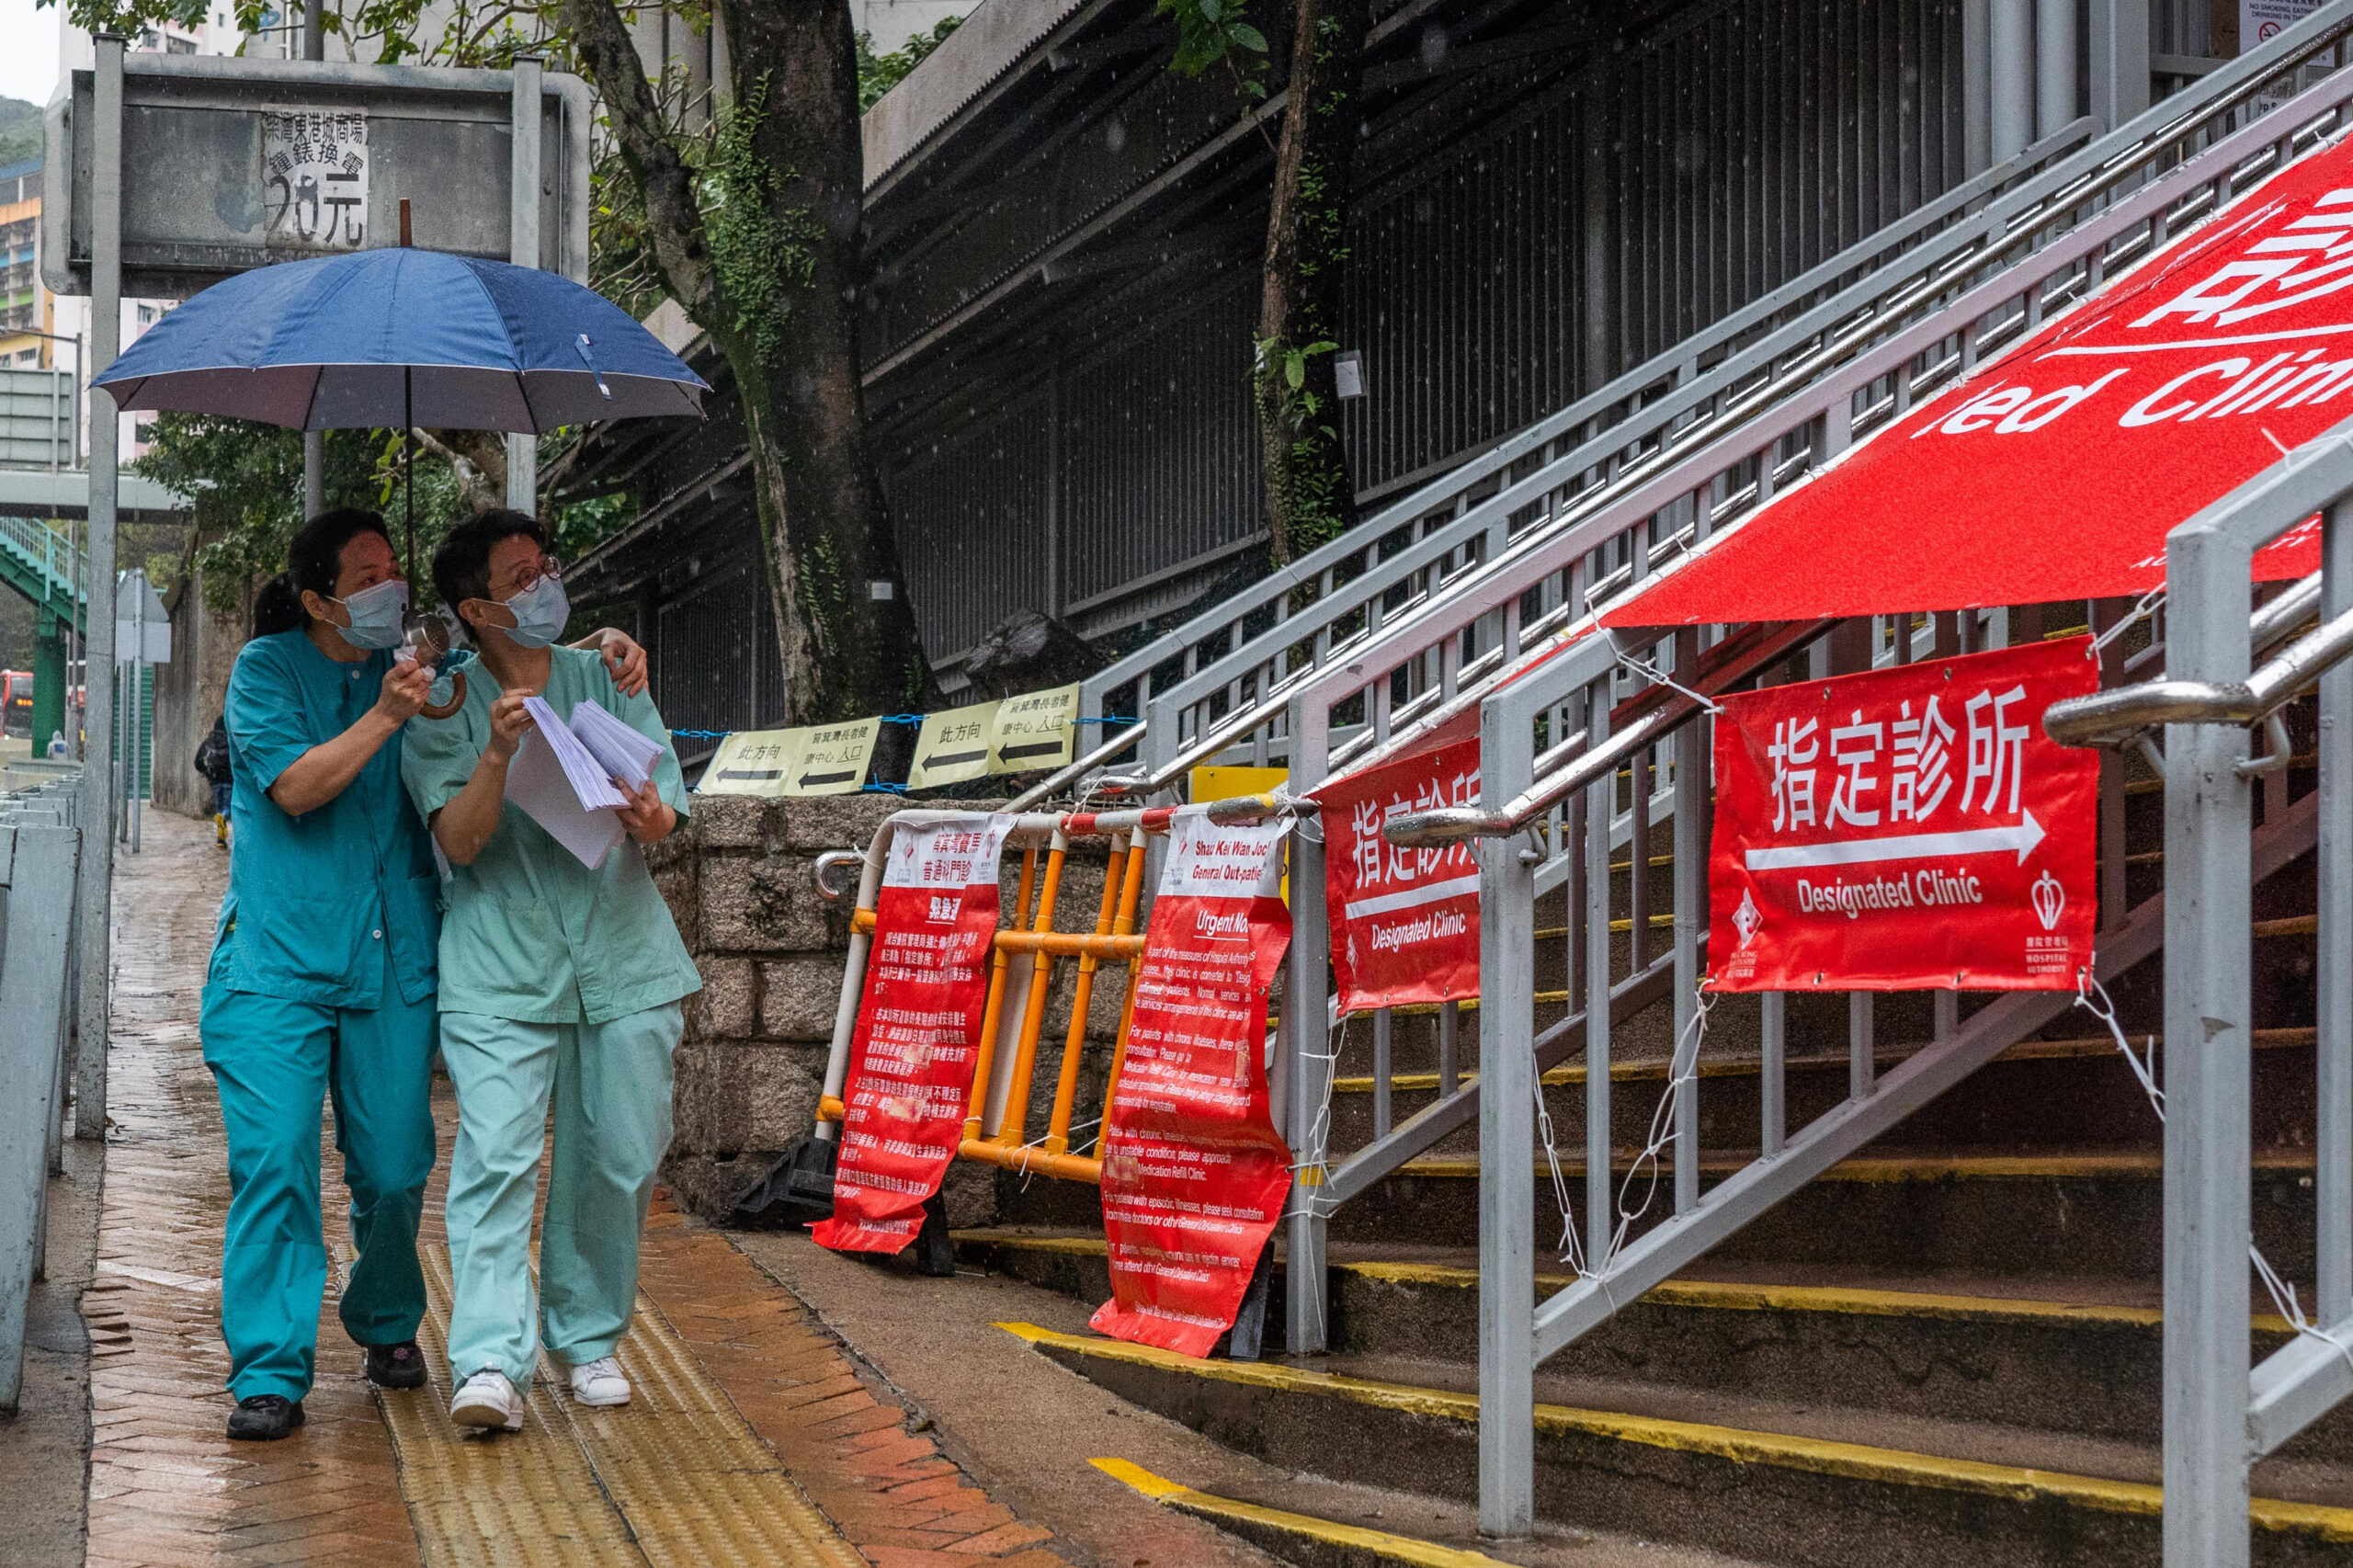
<point x="1209" y="32"/>
<point x="761" y="253"/>
<point x="19" y="130"/>
<point x="878" y="73"/>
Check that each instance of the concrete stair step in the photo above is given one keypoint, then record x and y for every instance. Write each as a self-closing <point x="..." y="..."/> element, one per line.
<point x="2058" y="1355"/>
<point x="1806" y="1486"/>
<point x="2043" y="1095"/>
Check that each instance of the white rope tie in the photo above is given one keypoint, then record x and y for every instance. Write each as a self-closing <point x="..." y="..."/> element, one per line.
<point x="2145" y="607"/>
<point x="1643" y="667"/>
<point x="2283" y="1295"/>
<point x="1684" y="1068"/>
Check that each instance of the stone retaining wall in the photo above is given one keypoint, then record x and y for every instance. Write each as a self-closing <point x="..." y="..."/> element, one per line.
<point x="739" y="880"/>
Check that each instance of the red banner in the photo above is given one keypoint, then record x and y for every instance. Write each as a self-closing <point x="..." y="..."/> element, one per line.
<point x="1909" y="829"/>
<point x="919" y="1025"/>
<point x="1194" y="1173"/>
<point x="1404" y="922"/>
<point x="2055" y="471"/>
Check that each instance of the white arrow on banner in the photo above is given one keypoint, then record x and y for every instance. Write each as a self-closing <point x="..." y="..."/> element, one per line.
<point x="2022" y="837"/>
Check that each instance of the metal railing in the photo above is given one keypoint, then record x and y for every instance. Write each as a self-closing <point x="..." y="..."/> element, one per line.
<point x="40" y="852"/>
<point x="2220" y="1415"/>
<point x="1571" y="567"/>
<point x="1582" y="505"/>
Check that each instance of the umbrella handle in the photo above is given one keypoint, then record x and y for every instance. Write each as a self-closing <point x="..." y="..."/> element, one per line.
<point x="457" y="697"/>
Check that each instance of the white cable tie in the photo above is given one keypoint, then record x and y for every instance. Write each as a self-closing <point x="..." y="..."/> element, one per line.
<point x="1680" y="1072"/>
<point x="1642" y="667"/>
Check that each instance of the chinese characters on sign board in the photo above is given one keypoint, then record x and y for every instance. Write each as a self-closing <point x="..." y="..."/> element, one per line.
<point x="314" y="178"/>
<point x="1194" y="1173"/>
<point x="918" y="1028"/>
<point x="1404" y="922"/>
<point x="1912" y="828"/>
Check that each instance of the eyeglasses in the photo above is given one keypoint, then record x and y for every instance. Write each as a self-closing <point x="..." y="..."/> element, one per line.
<point x="547" y="567"/>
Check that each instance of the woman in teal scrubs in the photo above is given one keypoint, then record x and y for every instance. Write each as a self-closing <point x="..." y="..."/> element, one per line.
<point x="322" y="981"/>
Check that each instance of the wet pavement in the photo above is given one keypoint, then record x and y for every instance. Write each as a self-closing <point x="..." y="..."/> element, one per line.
<point x="755" y="1438"/>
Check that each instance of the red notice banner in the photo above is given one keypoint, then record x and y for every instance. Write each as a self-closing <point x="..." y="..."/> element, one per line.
<point x="1909" y="829"/>
<point x="918" y="1023"/>
<point x="1404" y="922"/>
<point x="1194" y="1173"/>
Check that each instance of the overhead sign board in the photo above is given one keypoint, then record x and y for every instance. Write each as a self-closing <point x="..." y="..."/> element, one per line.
<point x="232" y="163"/>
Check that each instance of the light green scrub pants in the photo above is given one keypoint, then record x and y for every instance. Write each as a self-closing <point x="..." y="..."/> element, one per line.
<point x="611" y="1083"/>
<point x="274" y="1061"/>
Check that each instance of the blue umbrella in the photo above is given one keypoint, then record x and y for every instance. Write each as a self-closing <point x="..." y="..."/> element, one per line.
<point x="397" y="338"/>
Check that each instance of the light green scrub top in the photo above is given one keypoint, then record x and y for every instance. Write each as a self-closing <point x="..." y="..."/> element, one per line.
<point x="528" y="933"/>
<point x="316" y="901"/>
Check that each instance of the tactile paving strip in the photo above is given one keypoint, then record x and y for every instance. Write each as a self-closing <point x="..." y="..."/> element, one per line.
<point x="675" y="1479"/>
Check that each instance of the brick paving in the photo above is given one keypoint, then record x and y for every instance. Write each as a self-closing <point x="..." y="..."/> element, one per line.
<point x="167" y="1488"/>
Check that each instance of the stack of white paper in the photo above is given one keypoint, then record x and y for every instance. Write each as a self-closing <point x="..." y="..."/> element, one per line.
<point x="620" y="751"/>
<point x="562" y="776"/>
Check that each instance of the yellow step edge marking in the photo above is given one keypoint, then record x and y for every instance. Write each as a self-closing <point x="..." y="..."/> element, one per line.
<point x="1380" y="1543"/>
<point x="1899" y="1168"/>
<point x="1749" y="1067"/>
<point x="1737" y="1297"/>
<point x="1814" y="1455"/>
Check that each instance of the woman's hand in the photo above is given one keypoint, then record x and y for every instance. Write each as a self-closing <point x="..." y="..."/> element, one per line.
<point x="624" y="660"/>
<point x="406" y="687"/>
<point x="509" y="723"/>
<point x="647" y="818"/>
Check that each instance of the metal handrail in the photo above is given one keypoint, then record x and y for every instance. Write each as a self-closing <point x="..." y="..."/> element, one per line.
<point x="2107" y="718"/>
<point x="2001" y="225"/>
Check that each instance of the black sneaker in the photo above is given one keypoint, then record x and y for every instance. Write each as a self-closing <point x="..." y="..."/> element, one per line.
<point x="398" y="1366"/>
<point x="265" y="1418"/>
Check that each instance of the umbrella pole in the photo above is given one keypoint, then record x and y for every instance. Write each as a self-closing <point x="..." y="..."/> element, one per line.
<point x="408" y="466"/>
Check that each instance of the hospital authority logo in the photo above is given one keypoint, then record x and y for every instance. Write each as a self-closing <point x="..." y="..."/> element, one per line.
<point x="2049" y="901"/>
<point x="1747" y="919"/>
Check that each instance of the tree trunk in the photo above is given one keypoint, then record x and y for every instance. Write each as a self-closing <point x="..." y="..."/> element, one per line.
<point x="770" y="267"/>
<point x="1310" y="498"/>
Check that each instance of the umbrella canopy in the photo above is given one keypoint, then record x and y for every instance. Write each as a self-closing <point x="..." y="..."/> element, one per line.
<point x="396" y="337"/>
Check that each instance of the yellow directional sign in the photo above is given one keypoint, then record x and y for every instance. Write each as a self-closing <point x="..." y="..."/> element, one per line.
<point x="953" y="747"/>
<point x="753" y="762"/>
<point x="1036" y="730"/>
<point x="832" y="757"/>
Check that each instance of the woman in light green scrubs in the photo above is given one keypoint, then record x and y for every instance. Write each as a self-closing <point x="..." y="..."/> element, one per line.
<point x="321" y="978"/>
<point x="557" y="980"/>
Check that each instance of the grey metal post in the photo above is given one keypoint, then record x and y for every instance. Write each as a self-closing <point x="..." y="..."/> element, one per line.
<point x="2054" y="64"/>
<point x="1977" y="85"/>
<point x="1601" y="805"/>
<point x="1507" y="1134"/>
<point x="1690" y="916"/>
<point x="314" y="30"/>
<point x="1306" y="1005"/>
<point x="2332" y="1173"/>
<point x="98" y="668"/>
<point x="2119" y="57"/>
<point x="2208" y="1143"/>
<point x="2010" y="77"/>
<point x="135" y="750"/>
<point x="523" y="250"/>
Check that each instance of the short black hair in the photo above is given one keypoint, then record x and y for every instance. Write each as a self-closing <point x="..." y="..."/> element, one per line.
<point x="314" y="563"/>
<point x="461" y="566"/>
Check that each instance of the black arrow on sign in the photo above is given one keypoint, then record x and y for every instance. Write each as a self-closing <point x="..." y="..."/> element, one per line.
<point x="751" y="774"/>
<point x="809" y="779"/>
<point x="1035" y="748"/>
<point x="953" y="758"/>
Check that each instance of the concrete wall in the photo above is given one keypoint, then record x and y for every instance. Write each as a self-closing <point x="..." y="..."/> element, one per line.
<point x="771" y="953"/>
<point x="190" y="689"/>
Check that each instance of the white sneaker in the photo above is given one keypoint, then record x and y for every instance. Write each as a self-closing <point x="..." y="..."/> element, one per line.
<point x="490" y="1402"/>
<point x="600" y="1382"/>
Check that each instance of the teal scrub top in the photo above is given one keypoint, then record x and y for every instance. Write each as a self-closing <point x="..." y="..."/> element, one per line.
<point x="530" y="932"/>
<point x="315" y="900"/>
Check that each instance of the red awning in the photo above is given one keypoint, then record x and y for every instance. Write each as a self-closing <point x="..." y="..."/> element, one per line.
<point x="2055" y="471"/>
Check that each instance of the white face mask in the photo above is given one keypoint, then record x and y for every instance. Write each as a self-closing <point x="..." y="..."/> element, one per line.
<point x="376" y="615"/>
<point x="539" y="612"/>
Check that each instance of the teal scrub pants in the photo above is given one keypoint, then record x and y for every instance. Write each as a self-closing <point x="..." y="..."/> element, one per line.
<point x="611" y="1086"/>
<point x="274" y="1061"/>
